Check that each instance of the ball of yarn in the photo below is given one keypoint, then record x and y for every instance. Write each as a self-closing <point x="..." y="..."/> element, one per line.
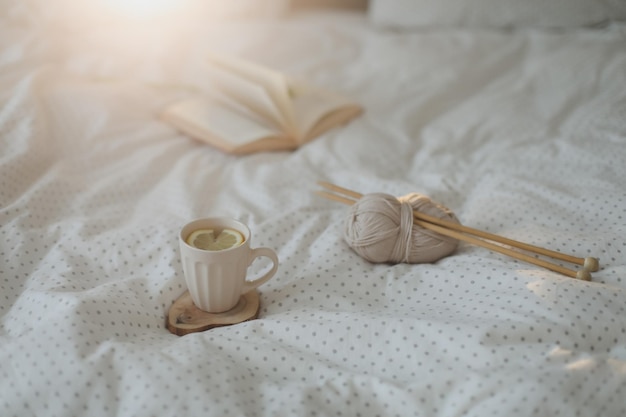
<point x="379" y="227"/>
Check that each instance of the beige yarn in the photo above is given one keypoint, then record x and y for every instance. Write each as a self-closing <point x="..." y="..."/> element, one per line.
<point x="379" y="227"/>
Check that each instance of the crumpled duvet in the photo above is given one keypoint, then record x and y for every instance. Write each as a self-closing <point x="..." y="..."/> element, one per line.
<point x="520" y="133"/>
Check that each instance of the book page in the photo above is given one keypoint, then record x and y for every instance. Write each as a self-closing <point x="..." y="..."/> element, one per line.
<point x="273" y="83"/>
<point x="247" y="94"/>
<point x="215" y="123"/>
<point x="314" y="106"/>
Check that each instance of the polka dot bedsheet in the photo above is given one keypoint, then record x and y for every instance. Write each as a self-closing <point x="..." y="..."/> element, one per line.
<point x="519" y="132"/>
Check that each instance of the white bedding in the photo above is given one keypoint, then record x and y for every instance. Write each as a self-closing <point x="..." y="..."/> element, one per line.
<point x="520" y="132"/>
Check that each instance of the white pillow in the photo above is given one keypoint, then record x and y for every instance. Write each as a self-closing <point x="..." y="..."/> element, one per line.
<point x="403" y="14"/>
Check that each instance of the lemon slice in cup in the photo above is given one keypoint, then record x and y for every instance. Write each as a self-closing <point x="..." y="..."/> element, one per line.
<point x="207" y="239"/>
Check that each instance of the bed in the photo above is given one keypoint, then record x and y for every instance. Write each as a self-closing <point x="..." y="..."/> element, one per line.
<point x="517" y="126"/>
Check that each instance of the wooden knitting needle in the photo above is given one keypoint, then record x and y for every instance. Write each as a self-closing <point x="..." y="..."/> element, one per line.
<point x="582" y="274"/>
<point x="591" y="264"/>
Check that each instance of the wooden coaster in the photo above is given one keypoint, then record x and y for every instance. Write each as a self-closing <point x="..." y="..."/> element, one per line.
<point x="184" y="317"/>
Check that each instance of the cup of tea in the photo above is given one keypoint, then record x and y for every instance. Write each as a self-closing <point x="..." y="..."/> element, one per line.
<point x="215" y="254"/>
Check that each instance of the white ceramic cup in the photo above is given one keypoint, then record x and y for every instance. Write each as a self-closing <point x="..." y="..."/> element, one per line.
<point x="217" y="279"/>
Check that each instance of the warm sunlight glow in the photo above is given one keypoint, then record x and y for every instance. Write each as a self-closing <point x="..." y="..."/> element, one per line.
<point x="141" y="8"/>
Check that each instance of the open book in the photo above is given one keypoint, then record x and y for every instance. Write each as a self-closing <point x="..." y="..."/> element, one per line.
<point x="252" y="108"/>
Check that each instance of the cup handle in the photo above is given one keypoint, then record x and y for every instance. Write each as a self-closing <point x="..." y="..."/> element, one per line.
<point x="255" y="253"/>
